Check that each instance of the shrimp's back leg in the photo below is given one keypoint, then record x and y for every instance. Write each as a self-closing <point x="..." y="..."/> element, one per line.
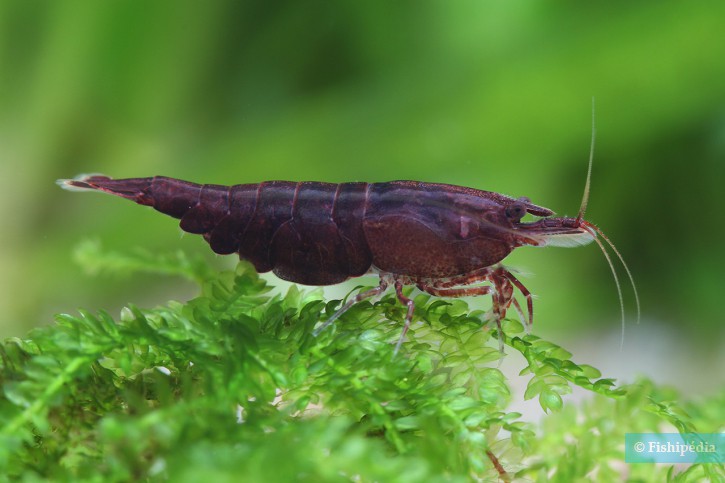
<point x="408" y="315"/>
<point x="374" y="292"/>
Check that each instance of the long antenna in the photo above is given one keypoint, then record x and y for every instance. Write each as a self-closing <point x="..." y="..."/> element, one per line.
<point x="582" y="210"/>
<point x="616" y="282"/>
<point x="585" y="197"/>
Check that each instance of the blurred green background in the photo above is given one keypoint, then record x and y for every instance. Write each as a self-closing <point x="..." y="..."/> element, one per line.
<point x="493" y="95"/>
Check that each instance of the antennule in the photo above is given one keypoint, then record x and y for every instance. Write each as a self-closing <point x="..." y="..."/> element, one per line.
<point x="585" y="197"/>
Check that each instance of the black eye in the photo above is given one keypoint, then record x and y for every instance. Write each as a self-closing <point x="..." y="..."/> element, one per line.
<point x="515" y="211"/>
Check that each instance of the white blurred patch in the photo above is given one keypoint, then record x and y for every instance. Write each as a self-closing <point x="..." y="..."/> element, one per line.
<point x="163" y="370"/>
<point x="67" y="184"/>
<point x="567" y="239"/>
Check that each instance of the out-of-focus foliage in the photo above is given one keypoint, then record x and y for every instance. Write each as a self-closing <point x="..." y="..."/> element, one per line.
<point x="494" y="95"/>
<point x="233" y="386"/>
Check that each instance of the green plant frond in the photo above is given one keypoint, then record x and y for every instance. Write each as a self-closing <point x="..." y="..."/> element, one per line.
<point x="94" y="259"/>
<point x="233" y="384"/>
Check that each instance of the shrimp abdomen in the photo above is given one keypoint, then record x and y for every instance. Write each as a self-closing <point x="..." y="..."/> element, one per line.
<point x="308" y="232"/>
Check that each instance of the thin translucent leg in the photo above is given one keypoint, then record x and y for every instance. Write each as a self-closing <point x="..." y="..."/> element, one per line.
<point x="502" y="298"/>
<point x="358" y="298"/>
<point x="522" y="317"/>
<point x="525" y="292"/>
<point x="500" y="339"/>
<point x="408" y="316"/>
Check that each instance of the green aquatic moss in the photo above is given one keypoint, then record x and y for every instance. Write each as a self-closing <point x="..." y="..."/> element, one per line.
<point x="233" y="386"/>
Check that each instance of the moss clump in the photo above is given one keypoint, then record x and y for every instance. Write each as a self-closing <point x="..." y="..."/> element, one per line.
<point x="232" y="386"/>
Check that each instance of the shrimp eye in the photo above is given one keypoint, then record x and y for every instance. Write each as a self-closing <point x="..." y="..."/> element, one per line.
<point x="515" y="211"/>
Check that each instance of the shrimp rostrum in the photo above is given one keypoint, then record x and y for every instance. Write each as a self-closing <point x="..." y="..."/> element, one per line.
<point x="446" y="240"/>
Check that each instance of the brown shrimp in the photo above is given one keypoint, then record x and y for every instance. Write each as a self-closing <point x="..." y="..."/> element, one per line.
<point x="440" y="238"/>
